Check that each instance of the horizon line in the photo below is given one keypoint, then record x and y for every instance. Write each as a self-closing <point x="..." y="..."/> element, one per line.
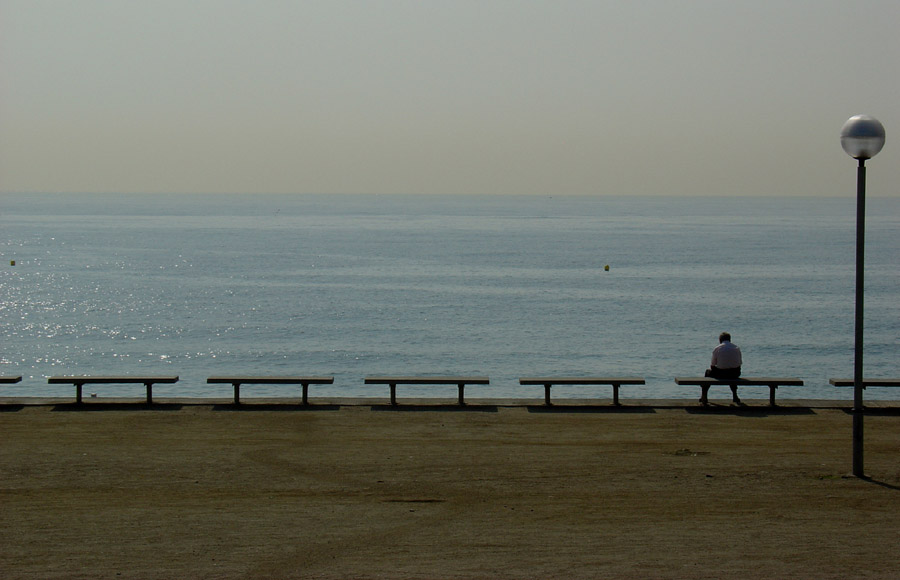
<point x="447" y="194"/>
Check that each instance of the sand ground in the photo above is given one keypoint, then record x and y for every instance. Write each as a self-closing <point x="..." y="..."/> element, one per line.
<point x="360" y="490"/>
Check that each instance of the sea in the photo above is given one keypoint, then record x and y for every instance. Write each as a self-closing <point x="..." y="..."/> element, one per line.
<point x="502" y="286"/>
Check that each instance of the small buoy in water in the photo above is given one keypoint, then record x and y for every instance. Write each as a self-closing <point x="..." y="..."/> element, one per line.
<point x="606" y="267"/>
<point x="12" y="262"/>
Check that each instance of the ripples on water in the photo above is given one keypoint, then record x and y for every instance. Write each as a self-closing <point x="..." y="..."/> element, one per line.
<point x="500" y="286"/>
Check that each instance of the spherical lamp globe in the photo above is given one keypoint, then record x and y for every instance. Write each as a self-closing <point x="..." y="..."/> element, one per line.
<point x="862" y="137"/>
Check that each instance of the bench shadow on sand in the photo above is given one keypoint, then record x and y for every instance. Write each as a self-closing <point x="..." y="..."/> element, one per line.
<point x="744" y="410"/>
<point x="613" y="409"/>
<point x="96" y="407"/>
<point x="877" y="411"/>
<point x="278" y="407"/>
<point x="435" y="408"/>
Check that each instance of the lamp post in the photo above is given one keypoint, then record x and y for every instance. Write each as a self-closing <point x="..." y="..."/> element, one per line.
<point x="862" y="137"/>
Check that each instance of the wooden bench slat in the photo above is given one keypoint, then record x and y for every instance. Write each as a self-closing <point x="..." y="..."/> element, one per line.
<point x="11" y="380"/>
<point x="866" y="382"/>
<point x="745" y="381"/>
<point x="85" y="379"/>
<point x="581" y="380"/>
<point x="273" y="380"/>
<point x="548" y="382"/>
<point x="304" y="381"/>
<point x="393" y="381"/>
<point x="406" y="380"/>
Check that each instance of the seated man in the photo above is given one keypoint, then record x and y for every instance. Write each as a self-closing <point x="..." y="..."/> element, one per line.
<point x="726" y="363"/>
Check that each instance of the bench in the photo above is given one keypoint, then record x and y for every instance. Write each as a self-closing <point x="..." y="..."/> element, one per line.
<point x="83" y="380"/>
<point x="305" y="382"/>
<point x="866" y="383"/>
<point x="460" y="382"/>
<point x="548" y="382"/>
<point x="11" y="380"/>
<point x="706" y="382"/>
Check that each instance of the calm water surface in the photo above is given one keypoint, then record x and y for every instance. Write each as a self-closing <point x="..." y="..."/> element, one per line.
<point x="501" y="286"/>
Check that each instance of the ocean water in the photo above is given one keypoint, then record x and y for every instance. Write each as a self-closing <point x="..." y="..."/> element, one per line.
<point x="503" y="286"/>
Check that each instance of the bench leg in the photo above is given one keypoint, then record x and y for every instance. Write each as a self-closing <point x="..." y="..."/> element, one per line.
<point x="462" y="387"/>
<point x="394" y="395"/>
<point x="615" y="394"/>
<point x="149" y="393"/>
<point x="305" y="393"/>
<point x="772" y="395"/>
<point x="78" y="392"/>
<point x="237" y="393"/>
<point x="547" y="394"/>
<point x="704" y="393"/>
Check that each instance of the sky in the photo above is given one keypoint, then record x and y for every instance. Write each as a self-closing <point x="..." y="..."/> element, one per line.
<point x="645" y="97"/>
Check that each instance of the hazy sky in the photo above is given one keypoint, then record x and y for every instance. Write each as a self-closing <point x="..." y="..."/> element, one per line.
<point x="719" y="97"/>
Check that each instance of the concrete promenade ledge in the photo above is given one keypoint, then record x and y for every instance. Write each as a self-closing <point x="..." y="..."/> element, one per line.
<point x="496" y="489"/>
<point x="424" y="403"/>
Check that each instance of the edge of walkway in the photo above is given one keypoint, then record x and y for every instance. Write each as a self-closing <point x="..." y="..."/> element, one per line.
<point x="421" y="403"/>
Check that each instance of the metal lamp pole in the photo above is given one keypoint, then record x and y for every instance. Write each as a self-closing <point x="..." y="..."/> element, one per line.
<point x="862" y="137"/>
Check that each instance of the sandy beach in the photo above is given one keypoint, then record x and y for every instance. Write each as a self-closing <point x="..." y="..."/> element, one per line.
<point x="357" y="489"/>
